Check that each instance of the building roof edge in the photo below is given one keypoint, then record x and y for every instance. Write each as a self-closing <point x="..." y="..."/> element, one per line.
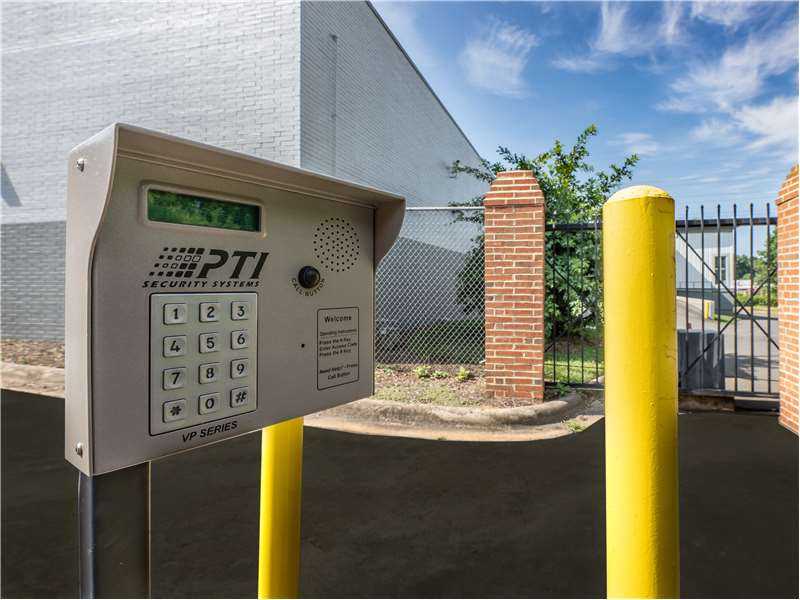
<point x="421" y="76"/>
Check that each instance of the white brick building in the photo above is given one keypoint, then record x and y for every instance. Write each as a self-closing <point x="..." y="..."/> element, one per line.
<point x="321" y="85"/>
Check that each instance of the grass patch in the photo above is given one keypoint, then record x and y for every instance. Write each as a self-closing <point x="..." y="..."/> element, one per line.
<point x="574" y="426"/>
<point x="567" y="368"/>
<point x="760" y="299"/>
<point x="429" y="394"/>
<point x="724" y="319"/>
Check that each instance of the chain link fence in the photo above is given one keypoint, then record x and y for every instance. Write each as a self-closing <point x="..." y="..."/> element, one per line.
<point x="429" y="290"/>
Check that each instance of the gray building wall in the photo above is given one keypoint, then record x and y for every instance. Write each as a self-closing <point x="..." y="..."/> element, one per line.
<point x="368" y="115"/>
<point x="222" y="73"/>
<point x="228" y="74"/>
<point x="32" y="264"/>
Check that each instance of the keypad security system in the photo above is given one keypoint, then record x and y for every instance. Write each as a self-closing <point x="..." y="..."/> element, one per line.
<point x="210" y="294"/>
<point x="202" y="358"/>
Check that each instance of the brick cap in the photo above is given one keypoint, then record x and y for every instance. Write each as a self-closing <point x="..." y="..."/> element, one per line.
<point x="522" y="173"/>
<point x="789" y="182"/>
<point x="514" y="189"/>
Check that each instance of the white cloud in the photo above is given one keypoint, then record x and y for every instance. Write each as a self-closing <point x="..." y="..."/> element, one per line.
<point x="670" y="30"/>
<point x="773" y="124"/>
<point x="619" y="36"/>
<point x="581" y="64"/>
<point x="496" y="58"/>
<point x="730" y="14"/>
<point x="738" y="76"/>
<point x="639" y="143"/>
<point x="716" y="131"/>
<point x="731" y="89"/>
<point x="615" y="32"/>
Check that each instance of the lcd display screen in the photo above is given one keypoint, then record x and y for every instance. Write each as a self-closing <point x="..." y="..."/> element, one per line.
<point x="184" y="209"/>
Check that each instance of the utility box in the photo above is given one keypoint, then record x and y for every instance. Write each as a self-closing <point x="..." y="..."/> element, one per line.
<point x="708" y="371"/>
<point x="210" y="294"/>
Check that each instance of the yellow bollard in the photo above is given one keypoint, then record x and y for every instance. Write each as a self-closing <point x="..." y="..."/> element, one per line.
<point x="641" y="391"/>
<point x="279" y="523"/>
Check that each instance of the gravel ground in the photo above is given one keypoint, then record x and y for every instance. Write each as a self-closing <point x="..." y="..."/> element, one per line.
<point x="392" y="382"/>
<point x="30" y="352"/>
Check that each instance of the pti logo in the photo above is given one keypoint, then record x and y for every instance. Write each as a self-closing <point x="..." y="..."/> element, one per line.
<point x="199" y="263"/>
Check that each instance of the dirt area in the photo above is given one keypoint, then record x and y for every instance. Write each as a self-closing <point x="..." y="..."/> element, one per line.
<point x="414" y="383"/>
<point x="29" y="352"/>
<point x="440" y="384"/>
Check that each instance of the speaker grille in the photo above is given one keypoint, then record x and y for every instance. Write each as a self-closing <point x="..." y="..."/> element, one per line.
<point x="336" y="244"/>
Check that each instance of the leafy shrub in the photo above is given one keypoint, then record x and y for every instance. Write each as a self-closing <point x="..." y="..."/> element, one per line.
<point x="423" y="371"/>
<point x="463" y="374"/>
<point x="574" y="192"/>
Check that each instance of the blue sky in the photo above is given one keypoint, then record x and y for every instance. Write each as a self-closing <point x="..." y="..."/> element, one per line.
<point x="705" y="93"/>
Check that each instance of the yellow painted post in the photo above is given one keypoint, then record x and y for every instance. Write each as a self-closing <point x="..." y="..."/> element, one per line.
<point x="641" y="394"/>
<point x="279" y="523"/>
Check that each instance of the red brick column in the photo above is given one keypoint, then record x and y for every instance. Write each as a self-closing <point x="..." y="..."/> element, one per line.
<point x="789" y="300"/>
<point x="514" y="275"/>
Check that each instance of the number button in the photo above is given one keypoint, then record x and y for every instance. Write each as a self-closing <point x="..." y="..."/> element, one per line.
<point x="209" y="342"/>
<point x="210" y="372"/>
<point x="174" y="345"/>
<point x="209" y="403"/>
<point x="209" y="311"/>
<point x="174" y="378"/>
<point x="174" y="410"/>
<point x="240" y="311"/>
<point x="240" y="368"/>
<point x="239" y="397"/>
<point x="240" y="339"/>
<point x="174" y="314"/>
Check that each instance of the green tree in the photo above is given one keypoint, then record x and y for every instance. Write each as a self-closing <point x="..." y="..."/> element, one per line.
<point x="574" y="192"/>
<point x="742" y="267"/>
<point x="766" y="262"/>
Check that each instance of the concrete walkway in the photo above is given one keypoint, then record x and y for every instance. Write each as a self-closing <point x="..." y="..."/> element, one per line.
<point x="396" y="517"/>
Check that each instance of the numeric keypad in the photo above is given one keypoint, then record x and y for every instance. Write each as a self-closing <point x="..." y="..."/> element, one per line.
<point x="203" y="350"/>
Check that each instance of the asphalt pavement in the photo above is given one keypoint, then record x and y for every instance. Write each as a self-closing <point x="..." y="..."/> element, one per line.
<point x="751" y="346"/>
<point x="396" y="517"/>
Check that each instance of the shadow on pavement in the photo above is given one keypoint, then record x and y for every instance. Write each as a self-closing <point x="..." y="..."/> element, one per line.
<point x="387" y="517"/>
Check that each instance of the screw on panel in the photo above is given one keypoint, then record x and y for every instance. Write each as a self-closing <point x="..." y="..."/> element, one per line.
<point x="79" y="449"/>
<point x="81" y="164"/>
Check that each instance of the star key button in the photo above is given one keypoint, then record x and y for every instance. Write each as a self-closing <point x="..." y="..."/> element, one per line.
<point x="174" y="410"/>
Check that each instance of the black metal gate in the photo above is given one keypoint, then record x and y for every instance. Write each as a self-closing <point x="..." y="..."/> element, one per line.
<point x="573" y="305"/>
<point x="725" y="304"/>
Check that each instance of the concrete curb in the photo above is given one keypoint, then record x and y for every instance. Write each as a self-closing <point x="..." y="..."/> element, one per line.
<point x="461" y="424"/>
<point x="430" y="416"/>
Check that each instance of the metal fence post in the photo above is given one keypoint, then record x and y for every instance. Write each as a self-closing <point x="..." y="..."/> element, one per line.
<point x="279" y="522"/>
<point x="641" y="394"/>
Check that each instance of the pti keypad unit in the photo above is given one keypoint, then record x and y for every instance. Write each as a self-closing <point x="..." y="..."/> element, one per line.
<point x="210" y="294"/>
<point x="203" y="352"/>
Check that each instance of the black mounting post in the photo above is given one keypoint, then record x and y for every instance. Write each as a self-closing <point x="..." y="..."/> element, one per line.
<point x="114" y="532"/>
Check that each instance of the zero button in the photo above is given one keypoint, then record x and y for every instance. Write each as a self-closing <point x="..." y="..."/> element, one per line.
<point x="209" y="403"/>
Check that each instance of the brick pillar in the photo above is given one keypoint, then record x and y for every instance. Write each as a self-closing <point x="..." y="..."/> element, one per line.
<point x="514" y="275"/>
<point x="789" y="300"/>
